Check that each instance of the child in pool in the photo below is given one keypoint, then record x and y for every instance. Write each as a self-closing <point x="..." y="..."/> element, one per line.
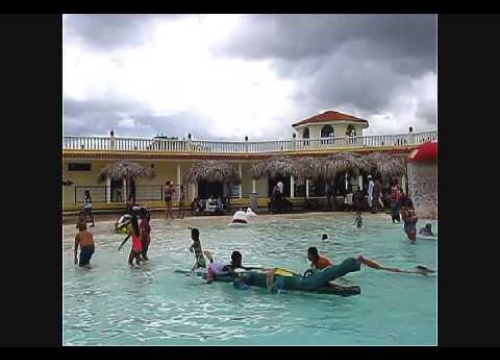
<point x="359" y="220"/>
<point x="410" y="219"/>
<point x="196" y="247"/>
<point x="85" y="240"/>
<point x="426" y="231"/>
<point x="135" y="252"/>
<point x="216" y="268"/>
<point x="145" y="233"/>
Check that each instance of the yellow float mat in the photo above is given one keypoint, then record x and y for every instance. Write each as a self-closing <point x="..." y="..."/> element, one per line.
<point x="285" y="272"/>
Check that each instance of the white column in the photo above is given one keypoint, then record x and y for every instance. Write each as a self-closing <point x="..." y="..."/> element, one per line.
<point x="254" y="186"/>
<point x="108" y="190"/>
<point x="193" y="191"/>
<point x="240" y="188"/>
<point x="124" y="191"/>
<point x="307" y="188"/>
<point x="403" y="183"/>
<point x="178" y="175"/>
<point x="360" y="182"/>
<point x="292" y="185"/>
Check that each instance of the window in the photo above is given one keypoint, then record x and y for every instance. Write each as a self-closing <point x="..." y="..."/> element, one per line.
<point x="326" y="131"/>
<point x="305" y="134"/>
<point x="79" y="167"/>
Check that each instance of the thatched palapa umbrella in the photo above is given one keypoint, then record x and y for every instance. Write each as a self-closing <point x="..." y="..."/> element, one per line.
<point x="277" y="165"/>
<point x="344" y="162"/>
<point x="308" y="167"/>
<point x="212" y="171"/>
<point x="125" y="170"/>
<point x="386" y="165"/>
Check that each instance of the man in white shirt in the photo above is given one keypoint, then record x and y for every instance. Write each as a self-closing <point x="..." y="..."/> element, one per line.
<point x="371" y="184"/>
<point x="280" y="187"/>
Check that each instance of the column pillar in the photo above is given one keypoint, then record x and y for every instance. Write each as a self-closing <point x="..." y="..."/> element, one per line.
<point x="178" y="175"/>
<point x="403" y="183"/>
<point x="254" y="187"/>
<point x="307" y="188"/>
<point x="108" y="190"/>
<point x="240" y="188"/>
<point x="292" y="187"/>
<point x="193" y="191"/>
<point x="124" y="191"/>
<point x="360" y="182"/>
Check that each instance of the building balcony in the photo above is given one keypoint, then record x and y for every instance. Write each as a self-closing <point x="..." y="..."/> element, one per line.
<point x="173" y="146"/>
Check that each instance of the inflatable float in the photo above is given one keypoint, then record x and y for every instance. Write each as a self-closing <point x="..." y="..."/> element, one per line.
<point x="122" y="226"/>
<point x="315" y="281"/>
<point x="240" y="218"/>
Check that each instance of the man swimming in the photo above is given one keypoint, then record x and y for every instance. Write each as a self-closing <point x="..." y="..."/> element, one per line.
<point x="426" y="231"/>
<point x="85" y="240"/>
<point x="410" y="219"/>
<point x="217" y="268"/>
<point x="317" y="261"/>
<point x="359" y="220"/>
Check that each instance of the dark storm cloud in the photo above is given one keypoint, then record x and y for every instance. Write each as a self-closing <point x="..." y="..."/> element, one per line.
<point x="109" y="31"/>
<point x="300" y="36"/>
<point x="98" y="117"/>
<point x="359" y="61"/>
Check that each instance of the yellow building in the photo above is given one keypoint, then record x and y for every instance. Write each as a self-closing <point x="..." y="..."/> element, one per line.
<point x="327" y="133"/>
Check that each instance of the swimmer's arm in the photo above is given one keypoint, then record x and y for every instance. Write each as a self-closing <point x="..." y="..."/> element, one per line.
<point x="191" y="247"/>
<point x="123" y="242"/>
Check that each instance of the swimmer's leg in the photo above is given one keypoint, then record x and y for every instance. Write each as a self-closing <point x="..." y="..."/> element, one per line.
<point x="209" y="255"/>
<point x="144" y="254"/>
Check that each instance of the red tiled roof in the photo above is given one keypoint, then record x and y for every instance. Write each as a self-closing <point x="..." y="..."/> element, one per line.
<point x="330" y="116"/>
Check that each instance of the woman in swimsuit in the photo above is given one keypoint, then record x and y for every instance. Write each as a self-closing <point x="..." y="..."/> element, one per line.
<point x="135" y="252"/>
<point x="169" y="191"/>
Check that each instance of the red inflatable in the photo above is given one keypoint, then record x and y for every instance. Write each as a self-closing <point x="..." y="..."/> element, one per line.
<point x="426" y="152"/>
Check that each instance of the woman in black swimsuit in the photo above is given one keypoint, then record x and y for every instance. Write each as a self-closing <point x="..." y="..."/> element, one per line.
<point x="169" y="191"/>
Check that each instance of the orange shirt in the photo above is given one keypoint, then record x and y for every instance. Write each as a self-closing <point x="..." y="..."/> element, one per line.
<point x="84" y="238"/>
<point x="323" y="262"/>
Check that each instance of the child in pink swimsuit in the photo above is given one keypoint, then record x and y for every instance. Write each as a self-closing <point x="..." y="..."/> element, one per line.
<point x="135" y="252"/>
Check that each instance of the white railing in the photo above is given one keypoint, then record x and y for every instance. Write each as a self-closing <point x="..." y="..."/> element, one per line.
<point x="242" y="147"/>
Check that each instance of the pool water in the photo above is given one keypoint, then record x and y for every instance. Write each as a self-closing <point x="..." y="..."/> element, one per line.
<point x="115" y="305"/>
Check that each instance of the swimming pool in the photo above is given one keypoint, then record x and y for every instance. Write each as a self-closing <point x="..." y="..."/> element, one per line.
<point x="115" y="305"/>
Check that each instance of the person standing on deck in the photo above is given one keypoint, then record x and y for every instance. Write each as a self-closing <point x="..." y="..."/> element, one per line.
<point x="87" y="208"/>
<point x="169" y="192"/>
<point x="377" y="190"/>
<point x="371" y="184"/>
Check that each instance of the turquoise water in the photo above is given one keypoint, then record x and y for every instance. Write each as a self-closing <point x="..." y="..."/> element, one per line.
<point x="115" y="305"/>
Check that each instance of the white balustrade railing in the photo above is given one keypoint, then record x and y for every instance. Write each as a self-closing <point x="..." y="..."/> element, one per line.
<point x="242" y="147"/>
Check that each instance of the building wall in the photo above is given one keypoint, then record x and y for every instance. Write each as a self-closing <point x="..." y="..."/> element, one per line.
<point x="422" y="186"/>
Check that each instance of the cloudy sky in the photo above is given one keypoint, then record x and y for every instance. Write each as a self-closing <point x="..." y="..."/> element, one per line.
<point x="227" y="76"/>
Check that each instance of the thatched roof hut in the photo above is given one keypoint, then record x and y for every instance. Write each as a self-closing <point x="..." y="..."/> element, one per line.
<point x="125" y="170"/>
<point x="277" y="165"/>
<point x="212" y="171"/>
<point x="349" y="162"/>
<point x="385" y="165"/>
<point x="308" y="167"/>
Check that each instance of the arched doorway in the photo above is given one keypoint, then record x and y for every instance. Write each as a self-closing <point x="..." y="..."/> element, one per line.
<point x="327" y="133"/>
<point x="305" y="135"/>
<point x="351" y="133"/>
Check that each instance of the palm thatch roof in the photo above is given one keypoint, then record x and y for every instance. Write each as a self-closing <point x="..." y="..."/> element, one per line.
<point x="212" y="171"/>
<point x="308" y="167"/>
<point x="349" y="162"/>
<point x="277" y="165"/>
<point x="386" y="165"/>
<point x="125" y="170"/>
